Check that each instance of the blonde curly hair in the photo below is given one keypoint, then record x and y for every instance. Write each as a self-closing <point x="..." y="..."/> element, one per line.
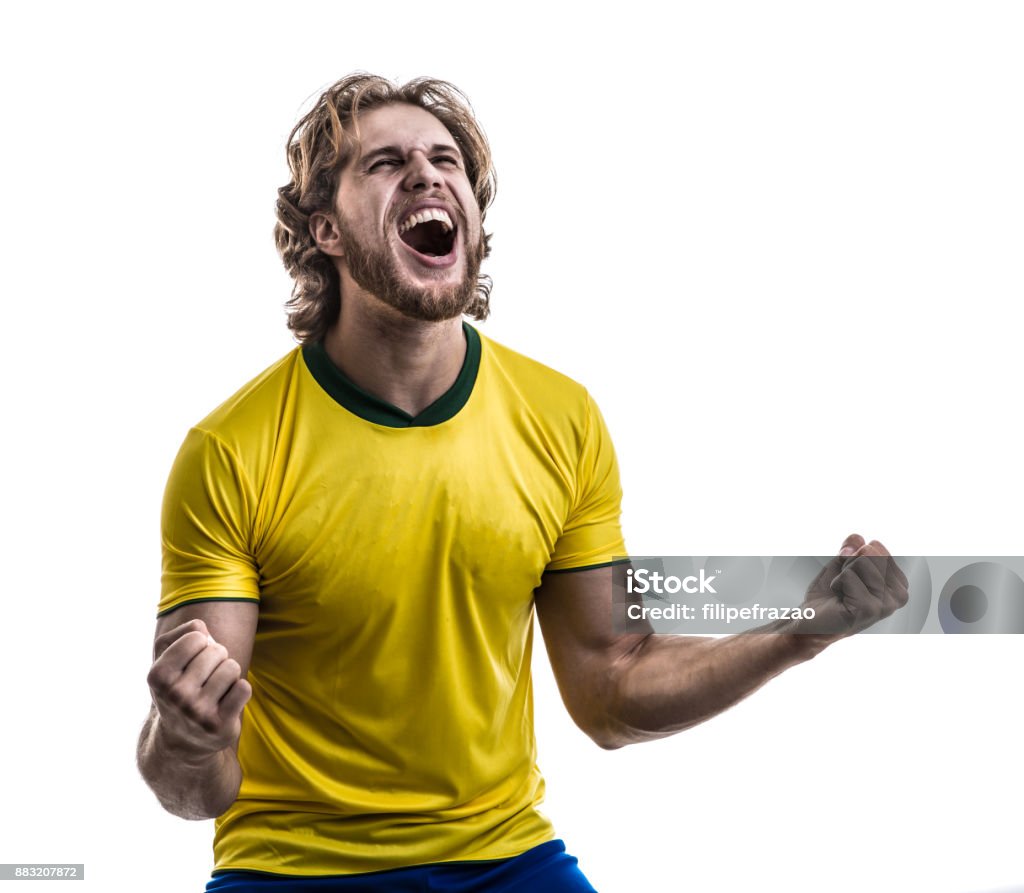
<point x="320" y="146"/>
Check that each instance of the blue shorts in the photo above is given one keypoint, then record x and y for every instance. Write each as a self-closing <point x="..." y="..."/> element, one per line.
<point x="544" y="869"/>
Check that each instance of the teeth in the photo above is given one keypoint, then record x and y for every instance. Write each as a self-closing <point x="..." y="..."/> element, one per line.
<point x="425" y="215"/>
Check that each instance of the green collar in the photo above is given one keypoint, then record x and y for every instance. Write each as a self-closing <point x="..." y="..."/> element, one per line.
<point x="380" y="412"/>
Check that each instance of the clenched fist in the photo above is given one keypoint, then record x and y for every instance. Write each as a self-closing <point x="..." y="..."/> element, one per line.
<point x="198" y="691"/>
<point x="860" y="586"/>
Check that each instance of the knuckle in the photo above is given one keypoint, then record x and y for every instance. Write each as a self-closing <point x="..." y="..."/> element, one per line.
<point x="162" y="679"/>
<point x="157" y="677"/>
<point x="178" y="697"/>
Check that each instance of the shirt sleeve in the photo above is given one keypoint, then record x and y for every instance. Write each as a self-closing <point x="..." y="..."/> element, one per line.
<point x="206" y="526"/>
<point x="592" y="535"/>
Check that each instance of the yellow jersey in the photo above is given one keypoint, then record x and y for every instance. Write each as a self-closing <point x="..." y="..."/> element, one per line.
<point x="394" y="560"/>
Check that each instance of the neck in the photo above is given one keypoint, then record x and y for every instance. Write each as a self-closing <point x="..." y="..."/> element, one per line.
<point x="409" y="363"/>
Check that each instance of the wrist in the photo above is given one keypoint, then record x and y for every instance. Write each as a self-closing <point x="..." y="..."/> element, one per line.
<point x="801" y="642"/>
<point x="807" y="645"/>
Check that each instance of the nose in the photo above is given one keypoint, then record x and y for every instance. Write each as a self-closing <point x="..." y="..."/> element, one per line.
<point x="421" y="174"/>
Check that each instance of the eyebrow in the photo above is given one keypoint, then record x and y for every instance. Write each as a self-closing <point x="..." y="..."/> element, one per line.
<point x="396" y="152"/>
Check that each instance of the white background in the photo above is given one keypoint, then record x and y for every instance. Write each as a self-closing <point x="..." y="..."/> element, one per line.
<point x="780" y="243"/>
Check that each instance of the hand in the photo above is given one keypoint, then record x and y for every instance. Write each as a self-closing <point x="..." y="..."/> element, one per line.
<point x="860" y="586"/>
<point x="198" y="691"/>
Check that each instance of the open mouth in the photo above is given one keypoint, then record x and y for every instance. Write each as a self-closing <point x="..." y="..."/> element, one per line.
<point x="429" y="231"/>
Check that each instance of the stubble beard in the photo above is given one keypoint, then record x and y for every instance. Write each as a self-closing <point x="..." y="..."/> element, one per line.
<point x="375" y="269"/>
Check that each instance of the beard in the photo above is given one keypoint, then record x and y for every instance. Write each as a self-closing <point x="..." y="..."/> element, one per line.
<point x="375" y="269"/>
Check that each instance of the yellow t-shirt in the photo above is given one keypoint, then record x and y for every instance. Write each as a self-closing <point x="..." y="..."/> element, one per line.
<point x="394" y="561"/>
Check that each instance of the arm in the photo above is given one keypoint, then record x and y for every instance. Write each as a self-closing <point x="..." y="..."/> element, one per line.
<point x="621" y="689"/>
<point x="187" y="751"/>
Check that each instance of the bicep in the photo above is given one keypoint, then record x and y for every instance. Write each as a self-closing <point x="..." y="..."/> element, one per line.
<point x="586" y="650"/>
<point x="231" y="623"/>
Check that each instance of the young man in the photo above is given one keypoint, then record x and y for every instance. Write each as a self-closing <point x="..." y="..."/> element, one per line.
<point x="355" y="542"/>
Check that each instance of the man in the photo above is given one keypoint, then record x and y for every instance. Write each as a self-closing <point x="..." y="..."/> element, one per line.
<point x="355" y="542"/>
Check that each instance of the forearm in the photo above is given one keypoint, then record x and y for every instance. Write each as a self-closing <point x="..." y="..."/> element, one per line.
<point x="666" y="684"/>
<point x="625" y="687"/>
<point x="188" y="785"/>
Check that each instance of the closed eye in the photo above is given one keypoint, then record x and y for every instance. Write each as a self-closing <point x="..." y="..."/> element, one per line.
<point x="383" y="162"/>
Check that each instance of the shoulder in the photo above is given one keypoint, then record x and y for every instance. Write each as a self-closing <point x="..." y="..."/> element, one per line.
<point x="540" y="386"/>
<point x="257" y="402"/>
<point x="240" y="435"/>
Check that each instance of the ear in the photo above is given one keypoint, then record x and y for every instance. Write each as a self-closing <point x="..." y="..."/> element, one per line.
<point x="324" y="230"/>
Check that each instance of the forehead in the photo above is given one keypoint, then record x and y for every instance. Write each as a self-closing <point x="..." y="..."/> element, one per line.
<point x="401" y="125"/>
